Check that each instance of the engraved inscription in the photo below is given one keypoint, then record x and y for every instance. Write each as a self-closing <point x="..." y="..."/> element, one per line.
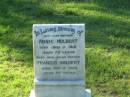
<point x="59" y="52"/>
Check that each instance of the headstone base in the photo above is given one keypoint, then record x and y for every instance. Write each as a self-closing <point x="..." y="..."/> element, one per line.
<point x="87" y="93"/>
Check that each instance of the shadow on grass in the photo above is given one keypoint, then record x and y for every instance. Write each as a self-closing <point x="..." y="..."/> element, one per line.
<point x="114" y="4"/>
<point x="119" y="7"/>
<point x="17" y="18"/>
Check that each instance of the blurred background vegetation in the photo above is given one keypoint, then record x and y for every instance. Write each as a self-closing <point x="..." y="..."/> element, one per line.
<point x="107" y="42"/>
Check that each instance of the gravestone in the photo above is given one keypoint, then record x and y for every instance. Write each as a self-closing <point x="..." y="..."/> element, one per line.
<point x="59" y="60"/>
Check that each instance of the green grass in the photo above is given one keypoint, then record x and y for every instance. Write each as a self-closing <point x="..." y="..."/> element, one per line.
<point x="107" y="43"/>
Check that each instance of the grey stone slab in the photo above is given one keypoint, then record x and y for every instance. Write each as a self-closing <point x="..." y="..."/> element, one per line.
<point x="59" y="91"/>
<point x="59" y="51"/>
<point x="87" y="93"/>
<point x="53" y="83"/>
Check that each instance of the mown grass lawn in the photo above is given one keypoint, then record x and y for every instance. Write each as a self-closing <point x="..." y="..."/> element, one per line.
<point x="107" y="43"/>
